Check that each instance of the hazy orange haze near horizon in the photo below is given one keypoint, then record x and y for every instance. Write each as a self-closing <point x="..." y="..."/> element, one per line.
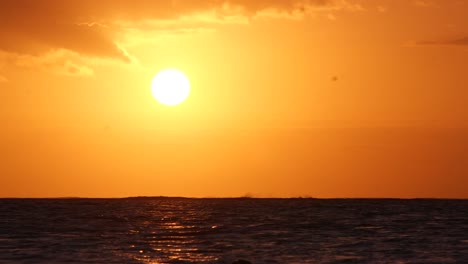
<point x="322" y="98"/>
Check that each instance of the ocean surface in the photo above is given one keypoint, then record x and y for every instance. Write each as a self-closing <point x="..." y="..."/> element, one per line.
<point x="179" y="230"/>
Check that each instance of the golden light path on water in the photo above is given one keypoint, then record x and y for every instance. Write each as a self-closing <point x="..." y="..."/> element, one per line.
<point x="172" y="240"/>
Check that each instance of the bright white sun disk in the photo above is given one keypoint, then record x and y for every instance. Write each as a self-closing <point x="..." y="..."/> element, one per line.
<point x="170" y="87"/>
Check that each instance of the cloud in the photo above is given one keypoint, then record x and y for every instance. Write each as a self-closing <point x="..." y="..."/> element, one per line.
<point x="62" y="62"/>
<point x="382" y="9"/>
<point x="101" y="29"/>
<point x="424" y="3"/>
<point x="460" y="41"/>
<point x="37" y="34"/>
<point x="463" y="41"/>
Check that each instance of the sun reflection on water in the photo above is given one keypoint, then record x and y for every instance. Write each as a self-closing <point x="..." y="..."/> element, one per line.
<point x="171" y="237"/>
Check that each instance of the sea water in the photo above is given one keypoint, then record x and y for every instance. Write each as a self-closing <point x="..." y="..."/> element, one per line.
<point x="180" y="230"/>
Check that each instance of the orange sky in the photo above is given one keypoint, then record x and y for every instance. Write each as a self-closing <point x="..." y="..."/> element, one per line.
<point x="322" y="98"/>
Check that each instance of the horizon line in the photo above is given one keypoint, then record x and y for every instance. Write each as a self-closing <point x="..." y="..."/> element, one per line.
<point x="243" y="197"/>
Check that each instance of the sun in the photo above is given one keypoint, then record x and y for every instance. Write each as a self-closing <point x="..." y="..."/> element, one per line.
<point x="170" y="87"/>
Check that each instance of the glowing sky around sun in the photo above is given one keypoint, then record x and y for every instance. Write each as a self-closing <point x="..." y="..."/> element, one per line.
<point x="324" y="98"/>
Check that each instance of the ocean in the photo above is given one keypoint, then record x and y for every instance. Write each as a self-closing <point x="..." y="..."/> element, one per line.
<point x="182" y="230"/>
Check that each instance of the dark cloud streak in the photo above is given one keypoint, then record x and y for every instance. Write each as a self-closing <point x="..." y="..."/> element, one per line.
<point x="461" y="41"/>
<point x="455" y="42"/>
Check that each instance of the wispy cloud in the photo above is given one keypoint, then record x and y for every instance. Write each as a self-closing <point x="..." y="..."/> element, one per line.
<point x="424" y="3"/>
<point x="62" y="62"/>
<point x="459" y="41"/>
<point x="382" y="9"/>
<point x="462" y="41"/>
